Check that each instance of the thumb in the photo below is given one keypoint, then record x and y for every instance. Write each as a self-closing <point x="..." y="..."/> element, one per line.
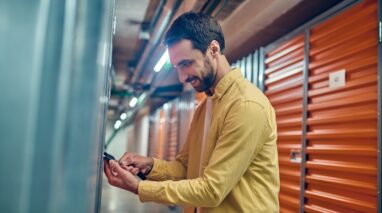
<point x="117" y="168"/>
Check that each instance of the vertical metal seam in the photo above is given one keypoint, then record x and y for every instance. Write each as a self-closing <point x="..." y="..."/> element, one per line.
<point x="252" y="66"/>
<point x="304" y="120"/>
<point x="379" y="175"/>
<point x="261" y="67"/>
<point x="110" y="5"/>
<point x="255" y="68"/>
<point x="250" y="59"/>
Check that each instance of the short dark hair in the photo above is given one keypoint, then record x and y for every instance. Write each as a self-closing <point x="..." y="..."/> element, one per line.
<point x="199" y="28"/>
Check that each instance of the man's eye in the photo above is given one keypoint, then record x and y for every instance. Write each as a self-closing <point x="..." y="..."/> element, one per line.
<point x="185" y="64"/>
<point x="188" y="63"/>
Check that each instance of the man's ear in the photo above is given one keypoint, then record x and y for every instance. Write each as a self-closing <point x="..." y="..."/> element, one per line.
<point x="215" y="47"/>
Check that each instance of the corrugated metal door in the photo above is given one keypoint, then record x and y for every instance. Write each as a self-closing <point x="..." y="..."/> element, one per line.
<point x="161" y="141"/>
<point x="186" y="108"/>
<point x="342" y="122"/>
<point x="153" y="133"/>
<point x="284" y="88"/>
<point x="173" y="141"/>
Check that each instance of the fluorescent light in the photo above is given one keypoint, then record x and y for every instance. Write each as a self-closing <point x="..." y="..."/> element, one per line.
<point x="117" y="124"/>
<point x="165" y="106"/>
<point x="143" y="96"/>
<point x="133" y="101"/>
<point x="123" y="116"/>
<point x="161" y="62"/>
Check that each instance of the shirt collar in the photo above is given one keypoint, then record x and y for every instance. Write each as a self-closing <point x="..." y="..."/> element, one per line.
<point x="226" y="82"/>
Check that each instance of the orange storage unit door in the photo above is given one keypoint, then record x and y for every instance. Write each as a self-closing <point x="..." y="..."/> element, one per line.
<point x="173" y="141"/>
<point x="341" y="166"/>
<point x="161" y="137"/>
<point x="284" y="88"/>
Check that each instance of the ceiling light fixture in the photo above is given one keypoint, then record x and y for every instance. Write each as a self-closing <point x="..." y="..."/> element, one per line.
<point x="142" y="97"/>
<point x="133" y="102"/>
<point x="158" y="67"/>
<point x="117" y="124"/>
<point x="123" y="116"/>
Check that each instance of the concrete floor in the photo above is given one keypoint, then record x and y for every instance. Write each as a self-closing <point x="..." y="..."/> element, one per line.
<point x="115" y="200"/>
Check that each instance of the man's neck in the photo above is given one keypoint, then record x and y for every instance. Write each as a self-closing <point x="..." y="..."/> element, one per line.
<point x="223" y="68"/>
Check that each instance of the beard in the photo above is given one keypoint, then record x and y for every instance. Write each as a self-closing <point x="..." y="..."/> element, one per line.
<point x="207" y="80"/>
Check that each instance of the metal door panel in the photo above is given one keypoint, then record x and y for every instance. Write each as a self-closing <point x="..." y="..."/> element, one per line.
<point x="341" y="167"/>
<point x="283" y="86"/>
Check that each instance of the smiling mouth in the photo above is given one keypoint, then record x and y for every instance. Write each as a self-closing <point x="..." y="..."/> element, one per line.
<point x="192" y="80"/>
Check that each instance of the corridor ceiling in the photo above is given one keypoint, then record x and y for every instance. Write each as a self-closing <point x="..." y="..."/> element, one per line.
<point x="140" y="25"/>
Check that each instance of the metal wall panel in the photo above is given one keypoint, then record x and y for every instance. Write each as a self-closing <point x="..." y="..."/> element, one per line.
<point x="284" y="88"/>
<point x="54" y="56"/>
<point x="243" y="67"/>
<point x="249" y="67"/>
<point x="341" y="173"/>
<point x="256" y="69"/>
<point x="379" y="209"/>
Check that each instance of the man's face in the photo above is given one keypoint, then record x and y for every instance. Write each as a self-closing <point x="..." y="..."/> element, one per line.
<point x="192" y="65"/>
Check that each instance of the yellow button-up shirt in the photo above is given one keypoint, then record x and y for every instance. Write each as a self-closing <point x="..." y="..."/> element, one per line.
<point x="239" y="160"/>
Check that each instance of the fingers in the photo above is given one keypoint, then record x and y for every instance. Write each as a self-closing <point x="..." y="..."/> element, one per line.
<point x="135" y="163"/>
<point x="119" y="177"/>
<point x="130" y="162"/>
<point x="129" y="168"/>
<point x="134" y="170"/>
<point x="114" y="165"/>
<point x="109" y="170"/>
<point x="111" y="177"/>
<point x="106" y="169"/>
<point x="127" y="158"/>
<point x="145" y="170"/>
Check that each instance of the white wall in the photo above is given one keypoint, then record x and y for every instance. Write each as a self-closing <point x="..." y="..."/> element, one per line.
<point x="142" y="136"/>
<point x="134" y="138"/>
<point x="119" y="144"/>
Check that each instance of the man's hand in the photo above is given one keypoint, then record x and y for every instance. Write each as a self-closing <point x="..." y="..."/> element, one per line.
<point x="136" y="163"/>
<point x="119" y="177"/>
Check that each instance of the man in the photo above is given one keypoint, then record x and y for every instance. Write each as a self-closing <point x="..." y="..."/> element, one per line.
<point x="229" y="161"/>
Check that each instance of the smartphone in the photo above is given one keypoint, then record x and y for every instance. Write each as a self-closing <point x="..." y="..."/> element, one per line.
<point x="107" y="157"/>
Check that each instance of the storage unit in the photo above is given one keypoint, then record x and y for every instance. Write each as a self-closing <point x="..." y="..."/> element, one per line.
<point x="284" y="88"/>
<point x="342" y="134"/>
<point x="169" y="126"/>
<point x="323" y="84"/>
<point x="162" y="139"/>
<point x="173" y="139"/>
